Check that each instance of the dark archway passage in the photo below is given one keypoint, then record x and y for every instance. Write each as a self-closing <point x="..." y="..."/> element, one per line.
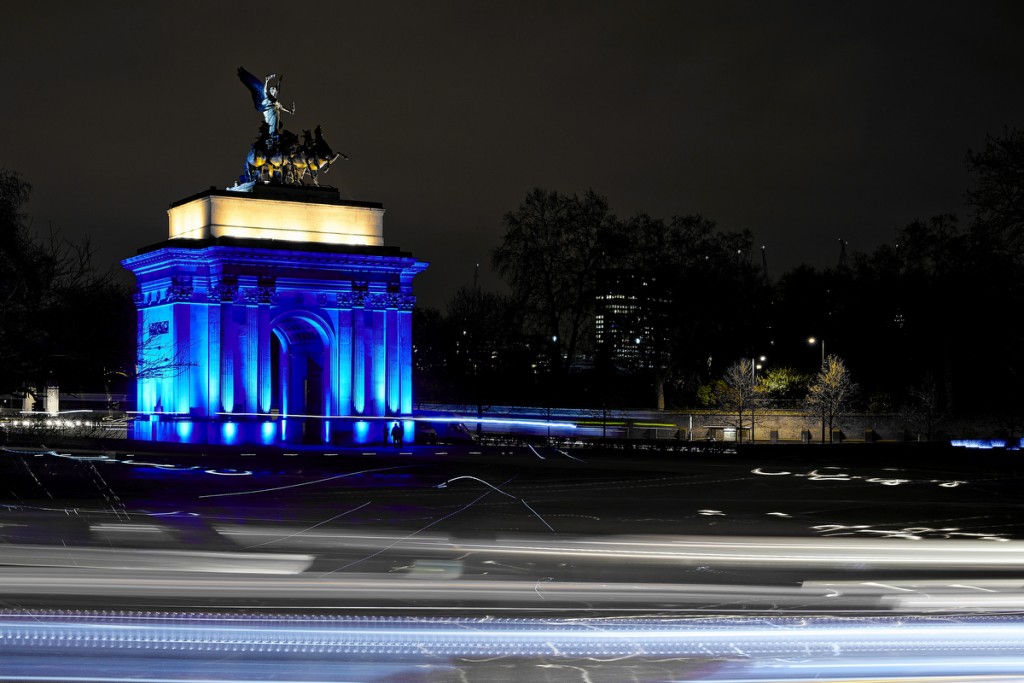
<point x="299" y="380"/>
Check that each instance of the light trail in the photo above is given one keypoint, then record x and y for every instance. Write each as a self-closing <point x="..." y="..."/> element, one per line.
<point x="309" y="528"/>
<point x="774" y="637"/>
<point x="418" y="531"/>
<point x="826" y="552"/>
<point x="389" y="591"/>
<point x="450" y="419"/>
<point x="42" y="558"/>
<point x="304" y="483"/>
<point x="444" y="484"/>
<point x="732" y="648"/>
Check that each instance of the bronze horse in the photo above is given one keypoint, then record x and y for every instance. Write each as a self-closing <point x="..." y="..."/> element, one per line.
<point x="283" y="159"/>
<point x="256" y="160"/>
<point x="321" y="156"/>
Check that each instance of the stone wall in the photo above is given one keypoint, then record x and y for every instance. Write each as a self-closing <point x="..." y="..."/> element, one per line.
<point x="789" y="426"/>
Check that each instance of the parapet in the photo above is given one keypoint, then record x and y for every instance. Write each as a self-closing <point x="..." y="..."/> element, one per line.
<point x="282" y="213"/>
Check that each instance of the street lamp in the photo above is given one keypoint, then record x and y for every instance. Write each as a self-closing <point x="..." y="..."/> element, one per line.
<point x="754" y="367"/>
<point x="812" y="341"/>
<point x="555" y="354"/>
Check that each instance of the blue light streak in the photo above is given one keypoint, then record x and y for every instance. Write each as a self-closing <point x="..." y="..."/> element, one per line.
<point x="815" y="643"/>
<point x="989" y="444"/>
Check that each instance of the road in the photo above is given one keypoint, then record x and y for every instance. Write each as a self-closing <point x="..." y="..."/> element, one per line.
<point x="838" y="538"/>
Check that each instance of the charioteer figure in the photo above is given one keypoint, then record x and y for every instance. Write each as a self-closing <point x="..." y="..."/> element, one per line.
<point x="277" y="156"/>
<point x="264" y="97"/>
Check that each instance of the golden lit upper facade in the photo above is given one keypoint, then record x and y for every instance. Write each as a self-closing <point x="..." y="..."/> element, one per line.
<point x="310" y="216"/>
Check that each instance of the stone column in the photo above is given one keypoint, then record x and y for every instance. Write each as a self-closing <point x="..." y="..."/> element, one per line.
<point x="227" y="290"/>
<point x="405" y="306"/>
<point x="199" y="368"/>
<point x="213" y="315"/>
<point x="265" y="293"/>
<point x="343" y="352"/>
<point x="179" y="353"/>
<point x="177" y="384"/>
<point x="393" y="355"/>
<point x="227" y="359"/>
<point x="377" y="372"/>
<point x="359" y="346"/>
<point x="328" y="361"/>
<point x="250" y="365"/>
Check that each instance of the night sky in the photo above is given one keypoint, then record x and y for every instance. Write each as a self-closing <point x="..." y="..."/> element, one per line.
<point x="804" y="122"/>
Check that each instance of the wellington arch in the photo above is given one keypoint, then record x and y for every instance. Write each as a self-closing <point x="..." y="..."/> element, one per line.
<point x="273" y="313"/>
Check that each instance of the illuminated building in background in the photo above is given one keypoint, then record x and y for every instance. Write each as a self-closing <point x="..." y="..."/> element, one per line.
<point x="629" y="307"/>
<point x="273" y="314"/>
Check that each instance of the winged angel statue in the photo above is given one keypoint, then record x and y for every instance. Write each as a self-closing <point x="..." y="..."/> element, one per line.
<point x="277" y="156"/>
<point x="264" y="96"/>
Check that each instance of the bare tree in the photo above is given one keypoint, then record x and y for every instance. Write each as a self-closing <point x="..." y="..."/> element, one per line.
<point x="830" y="394"/>
<point x="682" y="256"/>
<point x="61" y="319"/>
<point x="159" y="358"/>
<point x="998" y="194"/>
<point x="738" y="393"/>
<point x="552" y="248"/>
<point x="997" y="232"/>
<point x="925" y="408"/>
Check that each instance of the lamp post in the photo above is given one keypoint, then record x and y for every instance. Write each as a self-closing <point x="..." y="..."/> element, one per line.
<point x="812" y="341"/>
<point x="755" y="364"/>
<point x="551" y="377"/>
<point x="754" y="367"/>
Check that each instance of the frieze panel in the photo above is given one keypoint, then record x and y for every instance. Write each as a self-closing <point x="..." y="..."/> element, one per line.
<point x="180" y="289"/>
<point x="266" y="290"/>
<point x="160" y="327"/>
<point x="227" y="288"/>
<point x="354" y="299"/>
<point x="376" y="301"/>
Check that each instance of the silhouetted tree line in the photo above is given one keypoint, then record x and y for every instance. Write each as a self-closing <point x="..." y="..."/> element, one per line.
<point x="61" y="319"/>
<point x="536" y="345"/>
<point x="928" y="323"/>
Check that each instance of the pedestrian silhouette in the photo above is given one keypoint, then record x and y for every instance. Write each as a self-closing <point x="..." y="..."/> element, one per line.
<point x="397" y="432"/>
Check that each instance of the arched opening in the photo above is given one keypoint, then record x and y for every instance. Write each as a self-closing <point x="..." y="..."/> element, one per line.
<point x="299" y="377"/>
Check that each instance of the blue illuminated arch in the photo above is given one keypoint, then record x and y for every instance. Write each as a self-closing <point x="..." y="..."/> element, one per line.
<point x="230" y="312"/>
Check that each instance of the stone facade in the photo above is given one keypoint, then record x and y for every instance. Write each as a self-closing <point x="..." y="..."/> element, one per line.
<point x="316" y="336"/>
